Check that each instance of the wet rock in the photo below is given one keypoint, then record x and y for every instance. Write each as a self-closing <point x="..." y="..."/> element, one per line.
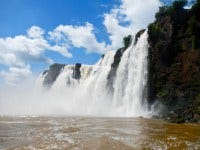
<point x="52" y="74"/>
<point x="155" y="117"/>
<point x="174" y="62"/>
<point x="76" y="72"/>
<point x="138" y="34"/>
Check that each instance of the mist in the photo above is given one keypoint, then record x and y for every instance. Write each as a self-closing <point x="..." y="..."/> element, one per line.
<point x="89" y="96"/>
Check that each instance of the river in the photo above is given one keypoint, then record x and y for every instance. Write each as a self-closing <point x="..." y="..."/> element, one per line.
<point x="90" y="133"/>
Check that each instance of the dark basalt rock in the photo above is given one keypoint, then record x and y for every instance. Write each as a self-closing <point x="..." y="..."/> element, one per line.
<point x="174" y="62"/>
<point x="52" y="74"/>
<point x="138" y="34"/>
<point x="114" y="66"/>
<point x="187" y="114"/>
<point x="76" y="71"/>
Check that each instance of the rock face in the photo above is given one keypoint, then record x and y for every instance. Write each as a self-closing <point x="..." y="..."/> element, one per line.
<point x="76" y="71"/>
<point x="138" y="34"/>
<point x="174" y="61"/>
<point x="72" y="73"/>
<point x="52" y="74"/>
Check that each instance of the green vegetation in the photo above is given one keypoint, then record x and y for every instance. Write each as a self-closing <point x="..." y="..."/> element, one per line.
<point x="168" y="10"/>
<point x="193" y="42"/>
<point x="179" y="119"/>
<point x="162" y="94"/>
<point x="163" y="11"/>
<point x="179" y="4"/>
<point x="126" y="41"/>
<point x="174" y="61"/>
<point x="197" y="104"/>
<point x="155" y="31"/>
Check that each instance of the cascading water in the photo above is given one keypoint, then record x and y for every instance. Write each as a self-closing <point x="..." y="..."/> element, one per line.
<point x="89" y="92"/>
<point x="131" y="79"/>
<point x="90" y="95"/>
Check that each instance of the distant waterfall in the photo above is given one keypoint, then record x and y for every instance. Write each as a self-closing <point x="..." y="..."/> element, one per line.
<point x="89" y="95"/>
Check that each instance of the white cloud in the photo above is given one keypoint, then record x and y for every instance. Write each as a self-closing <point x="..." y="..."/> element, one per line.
<point x="115" y="30"/>
<point x="127" y="18"/>
<point x="17" y="52"/>
<point x="79" y="36"/>
<point x="35" y="32"/>
<point x="190" y="3"/>
<point x="135" y="14"/>
<point x="139" y="13"/>
<point x="14" y="75"/>
<point x="10" y="59"/>
<point x="33" y="44"/>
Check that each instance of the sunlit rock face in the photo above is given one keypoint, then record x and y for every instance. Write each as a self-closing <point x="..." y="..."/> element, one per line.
<point x="76" y="71"/>
<point x="52" y="73"/>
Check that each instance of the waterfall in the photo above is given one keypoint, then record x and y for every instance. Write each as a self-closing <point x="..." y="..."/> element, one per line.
<point x="89" y="95"/>
<point x="131" y="79"/>
<point x="85" y="89"/>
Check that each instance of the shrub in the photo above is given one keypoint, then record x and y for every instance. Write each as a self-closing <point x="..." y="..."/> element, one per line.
<point x="155" y="31"/>
<point x="179" y="4"/>
<point x="126" y="41"/>
<point x="164" y="11"/>
<point x="162" y="94"/>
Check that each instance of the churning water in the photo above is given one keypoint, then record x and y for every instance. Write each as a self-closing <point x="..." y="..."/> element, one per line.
<point x="82" y="133"/>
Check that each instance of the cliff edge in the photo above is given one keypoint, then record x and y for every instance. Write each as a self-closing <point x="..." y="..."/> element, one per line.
<point x="174" y="62"/>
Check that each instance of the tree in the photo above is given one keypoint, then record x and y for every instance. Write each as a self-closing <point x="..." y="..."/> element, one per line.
<point x="126" y="41"/>
<point x="179" y="4"/>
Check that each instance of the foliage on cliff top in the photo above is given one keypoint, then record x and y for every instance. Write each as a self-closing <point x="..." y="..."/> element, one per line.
<point x="168" y="10"/>
<point x="127" y="41"/>
<point x="184" y="22"/>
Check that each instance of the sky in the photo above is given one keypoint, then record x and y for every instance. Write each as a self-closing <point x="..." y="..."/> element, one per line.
<point x="37" y="33"/>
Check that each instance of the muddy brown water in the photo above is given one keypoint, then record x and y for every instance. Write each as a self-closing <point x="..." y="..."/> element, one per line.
<point x="89" y="133"/>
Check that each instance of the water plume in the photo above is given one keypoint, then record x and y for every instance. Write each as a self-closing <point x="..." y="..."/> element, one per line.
<point x="89" y="95"/>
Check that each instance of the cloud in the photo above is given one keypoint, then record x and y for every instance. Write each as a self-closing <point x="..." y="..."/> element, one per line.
<point x="10" y="59"/>
<point x="32" y="44"/>
<point x="128" y="18"/>
<point x="14" y="75"/>
<point x="139" y="13"/>
<point x="18" y="52"/>
<point x="125" y="19"/>
<point x="189" y="4"/>
<point x="115" y="30"/>
<point x="35" y="32"/>
<point x="80" y="37"/>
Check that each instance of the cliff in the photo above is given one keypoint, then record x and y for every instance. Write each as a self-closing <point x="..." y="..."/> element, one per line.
<point x="52" y="74"/>
<point x="174" y="62"/>
<point x="54" y="70"/>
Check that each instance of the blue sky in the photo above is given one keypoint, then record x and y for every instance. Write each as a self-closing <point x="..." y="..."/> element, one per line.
<point x="36" y="33"/>
<point x="17" y="16"/>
